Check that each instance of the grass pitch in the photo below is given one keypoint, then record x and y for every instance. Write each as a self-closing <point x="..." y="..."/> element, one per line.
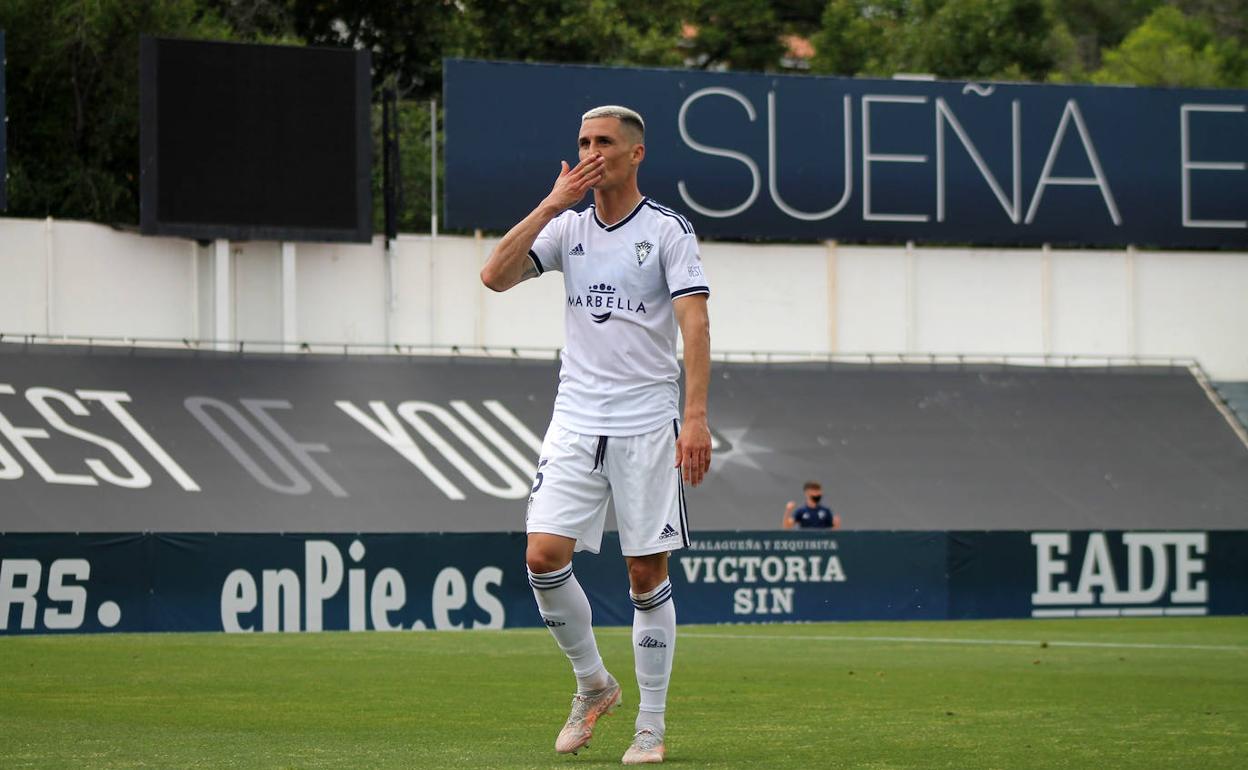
<point x="1121" y="693"/>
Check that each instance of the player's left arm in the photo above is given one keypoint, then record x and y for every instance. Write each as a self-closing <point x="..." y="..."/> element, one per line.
<point x="693" y="446"/>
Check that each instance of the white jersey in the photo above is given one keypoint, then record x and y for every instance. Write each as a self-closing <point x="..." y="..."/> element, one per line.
<point x="619" y="374"/>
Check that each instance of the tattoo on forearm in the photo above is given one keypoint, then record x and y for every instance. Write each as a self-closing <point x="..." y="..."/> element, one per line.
<point x="530" y="272"/>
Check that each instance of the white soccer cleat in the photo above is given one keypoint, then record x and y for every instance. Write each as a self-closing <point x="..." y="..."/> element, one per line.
<point x="586" y="708"/>
<point x="647" y="749"/>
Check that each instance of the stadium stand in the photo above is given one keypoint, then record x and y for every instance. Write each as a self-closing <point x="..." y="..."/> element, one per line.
<point x="385" y="443"/>
<point x="1235" y="394"/>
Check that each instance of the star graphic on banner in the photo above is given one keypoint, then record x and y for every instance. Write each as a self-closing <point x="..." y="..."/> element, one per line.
<point x="740" y="451"/>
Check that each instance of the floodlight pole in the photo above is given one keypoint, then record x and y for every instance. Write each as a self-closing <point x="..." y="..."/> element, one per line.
<point x="289" y="317"/>
<point x="221" y="293"/>
<point x="389" y="176"/>
<point x="433" y="168"/>
<point x="433" y="217"/>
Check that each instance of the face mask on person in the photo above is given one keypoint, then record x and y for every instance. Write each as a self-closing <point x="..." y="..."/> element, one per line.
<point x="816" y="498"/>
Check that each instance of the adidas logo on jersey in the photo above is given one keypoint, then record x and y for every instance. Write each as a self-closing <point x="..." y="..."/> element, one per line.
<point x="668" y="531"/>
<point x="553" y="623"/>
<point x="577" y="251"/>
<point x="650" y="643"/>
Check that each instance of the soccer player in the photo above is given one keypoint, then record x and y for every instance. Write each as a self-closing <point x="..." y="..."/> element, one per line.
<point x="631" y="274"/>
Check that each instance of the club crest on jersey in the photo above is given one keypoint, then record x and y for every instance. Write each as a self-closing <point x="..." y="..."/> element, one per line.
<point x="603" y="297"/>
<point x="643" y="250"/>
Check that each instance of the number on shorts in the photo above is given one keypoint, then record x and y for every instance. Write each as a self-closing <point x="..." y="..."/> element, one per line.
<point x="540" y="476"/>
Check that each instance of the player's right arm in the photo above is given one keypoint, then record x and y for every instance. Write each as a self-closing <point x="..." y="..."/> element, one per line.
<point x="788" y="515"/>
<point x="509" y="263"/>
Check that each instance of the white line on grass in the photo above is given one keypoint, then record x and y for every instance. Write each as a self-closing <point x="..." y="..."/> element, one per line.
<point x="947" y="640"/>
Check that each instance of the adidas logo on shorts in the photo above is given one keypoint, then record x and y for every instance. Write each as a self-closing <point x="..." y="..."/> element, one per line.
<point x="577" y="251"/>
<point x="668" y="531"/>
<point x="649" y="642"/>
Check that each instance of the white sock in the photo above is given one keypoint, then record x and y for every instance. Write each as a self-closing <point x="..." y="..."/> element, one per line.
<point x="654" y="644"/>
<point x="565" y="609"/>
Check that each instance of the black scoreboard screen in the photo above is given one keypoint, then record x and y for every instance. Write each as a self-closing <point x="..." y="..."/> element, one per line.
<point x="254" y="142"/>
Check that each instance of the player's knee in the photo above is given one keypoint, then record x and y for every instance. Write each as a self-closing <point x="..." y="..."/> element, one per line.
<point x="645" y="574"/>
<point x="542" y="560"/>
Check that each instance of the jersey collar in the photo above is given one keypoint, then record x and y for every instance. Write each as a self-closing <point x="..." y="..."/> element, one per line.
<point x="594" y="210"/>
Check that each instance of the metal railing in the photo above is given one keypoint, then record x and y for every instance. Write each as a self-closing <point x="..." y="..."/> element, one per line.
<point x="870" y="358"/>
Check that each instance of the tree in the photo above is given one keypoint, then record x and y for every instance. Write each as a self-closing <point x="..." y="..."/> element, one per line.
<point x="735" y="34"/>
<point x="802" y="16"/>
<point x="1227" y="18"/>
<point x="593" y="32"/>
<point x="989" y="39"/>
<point x="73" y="101"/>
<point x="1095" y="25"/>
<point x="407" y="39"/>
<point x="269" y="21"/>
<point x="855" y="35"/>
<point x="1167" y="49"/>
<point x="1016" y="39"/>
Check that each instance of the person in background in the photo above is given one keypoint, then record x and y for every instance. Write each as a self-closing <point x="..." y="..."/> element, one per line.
<point x="812" y="515"/>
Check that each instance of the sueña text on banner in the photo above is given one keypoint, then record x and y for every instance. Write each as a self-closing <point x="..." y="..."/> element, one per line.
<point x="858" y="160"/>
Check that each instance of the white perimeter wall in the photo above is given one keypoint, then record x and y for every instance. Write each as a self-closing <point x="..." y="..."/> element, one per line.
<point x="78" y="279"/>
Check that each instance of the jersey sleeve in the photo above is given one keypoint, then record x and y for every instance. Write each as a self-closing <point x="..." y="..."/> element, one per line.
<point x="547" y="251"/>
<point x="683" y="265"/>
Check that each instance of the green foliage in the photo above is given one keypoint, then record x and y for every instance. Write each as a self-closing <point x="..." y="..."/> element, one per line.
<point x="1093" y="25"/>
<point x="1228" y="18"/>
<point x="408" y="39"/>
<point x="73" y="101"/>
<point x="414" y="155"/>
<point x="977" y="39"/>
<point x="262" y="21"/>
<point x="1070" y="59"/>
<point x="73" y="76"/>
<point x="1147" y="42"/>
<point x="736" y="34"/>
<point x="589" y="32"/>
<point x="974" y="39"/>
<point x="1170" y="49"/>
<point x="858" y="37"/>
<point x="801" y="16"/>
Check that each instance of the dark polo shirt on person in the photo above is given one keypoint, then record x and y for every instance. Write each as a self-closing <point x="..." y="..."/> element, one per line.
<point x="819" y="517"/>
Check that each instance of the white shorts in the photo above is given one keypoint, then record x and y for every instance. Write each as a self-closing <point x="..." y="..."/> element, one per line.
<point x="578" y="473"/>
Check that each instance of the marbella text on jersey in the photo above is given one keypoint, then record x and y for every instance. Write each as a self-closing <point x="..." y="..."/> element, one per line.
<point x="603" y="296"/>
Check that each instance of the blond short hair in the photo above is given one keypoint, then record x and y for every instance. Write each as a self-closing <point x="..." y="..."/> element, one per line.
<point x="630" y="118"/>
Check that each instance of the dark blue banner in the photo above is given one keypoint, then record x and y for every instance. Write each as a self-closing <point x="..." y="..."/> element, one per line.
<point x="4" y="168"/>
<point x="811" y="158"/>
<point x="283" y="582"/>
<point x="1064" y="574"/>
